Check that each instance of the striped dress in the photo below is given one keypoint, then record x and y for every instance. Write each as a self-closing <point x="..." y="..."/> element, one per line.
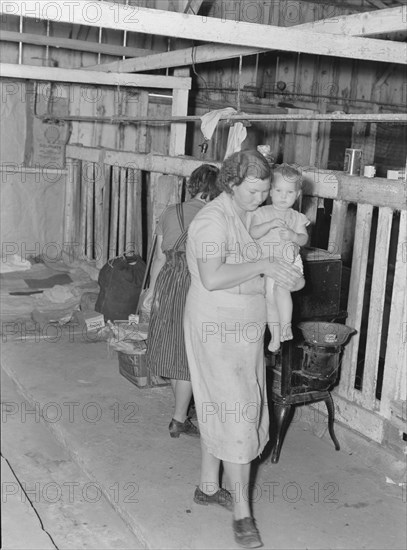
<point x="166" y="355"/>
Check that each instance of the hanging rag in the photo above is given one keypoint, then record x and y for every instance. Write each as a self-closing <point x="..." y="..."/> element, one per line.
<point x="210" y="120"/>
<point x="237" y="135"/>
<point x="237" y="132"/>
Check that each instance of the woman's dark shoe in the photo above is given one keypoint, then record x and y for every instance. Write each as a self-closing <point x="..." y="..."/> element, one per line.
<point x="177" y="428"/>
<point x="221" y="497"/>
<point x="246" y="533"/>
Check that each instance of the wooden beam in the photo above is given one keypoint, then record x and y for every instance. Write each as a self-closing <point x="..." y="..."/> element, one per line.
<point x="165" y="23"/>
<point x="368" y="23"/>
<point x="359" y="24"/>
<point x="33" y="72"/>
<point x="70" y="44"/>
<point x="322" y="183"/>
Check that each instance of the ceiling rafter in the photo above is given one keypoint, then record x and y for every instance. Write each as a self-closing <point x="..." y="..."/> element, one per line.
<point x="181" y="25"/>
<point x="356" y="25"/>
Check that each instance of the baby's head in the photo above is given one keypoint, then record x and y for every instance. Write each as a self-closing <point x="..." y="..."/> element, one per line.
<point x="286" y="186"/>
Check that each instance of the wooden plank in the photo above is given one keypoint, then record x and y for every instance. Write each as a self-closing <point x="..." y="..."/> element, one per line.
<point x="309" y="207"/>
<point x="129" y="209"/>
<point x="90" y="195"/>
<point x="355" y="299"/>
<point x="70" y="211"/>
<point x="209" y="29"/>
<point x="368" y="423"/>
<point x="106" y="170"/>
<point x="83" y="212"/>
<point x="394" y="379"/>
<point x="122" y="210"/>
<point x="141" y="145"/>
<point x="114" y="212"/>
<point x="364" y="24"/>
<point x="137" y="235"/>
<point x="337" y="229"/>
<point x="377" y="298"/>
<point x="99" y="184"/>
<point x="70" y="44"/>
<point x="90" y="77"/>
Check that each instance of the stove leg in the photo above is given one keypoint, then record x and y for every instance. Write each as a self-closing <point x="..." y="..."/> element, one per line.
<point x="282" y="420"/>
<point x="331" y="417"/>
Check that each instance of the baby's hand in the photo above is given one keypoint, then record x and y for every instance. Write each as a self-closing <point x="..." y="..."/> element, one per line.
<point x="287" y="234"/>
<point x="278" y="223"/>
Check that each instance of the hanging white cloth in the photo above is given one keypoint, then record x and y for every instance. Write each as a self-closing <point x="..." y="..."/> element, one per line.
<point x="210" y="120"/>
<point x="237" y="135"/>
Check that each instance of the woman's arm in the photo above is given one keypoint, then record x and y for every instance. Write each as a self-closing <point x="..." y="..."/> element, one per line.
<point x="217" y="275"/>
<point x="261" y="229"/>
<point x="158" y="262"/>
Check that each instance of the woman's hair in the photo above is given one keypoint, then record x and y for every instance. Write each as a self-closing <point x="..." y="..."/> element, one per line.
<point x="241" y="165"/>
<point x="290" y="173"/>
<point x="203" y="180"/>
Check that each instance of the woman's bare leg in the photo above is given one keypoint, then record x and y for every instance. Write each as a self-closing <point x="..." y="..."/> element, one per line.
<point x="238" y="477"/>
<point x="210" y="465"/>
<point x="182" y="390"/>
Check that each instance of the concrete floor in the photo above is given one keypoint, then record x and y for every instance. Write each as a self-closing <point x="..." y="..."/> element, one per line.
<point x="93" y="453"/>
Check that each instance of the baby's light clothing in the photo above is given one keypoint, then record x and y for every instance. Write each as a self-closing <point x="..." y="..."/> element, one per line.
<point x="271" y="244"/>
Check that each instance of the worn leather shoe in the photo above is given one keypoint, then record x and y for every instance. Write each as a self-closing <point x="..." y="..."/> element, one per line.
<point x="221" y="497"/>
<point x="188" y="428"/>
<point x="246" y="533"/>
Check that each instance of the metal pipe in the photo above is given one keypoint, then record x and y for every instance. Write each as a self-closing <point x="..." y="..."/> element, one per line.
<point x="342" y="117"/>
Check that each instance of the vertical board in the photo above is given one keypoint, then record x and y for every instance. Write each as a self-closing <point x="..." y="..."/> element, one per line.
<point x="114" y="212"/>
<point x="355" y="300"/>
<point x="337" y="230"/>
<point x="90" y="195"/>
<point x="99" y="183"/>
<point x="122" y="210"/>
<point x="377" y="298"/>
<point x="106" y="181"/>
<point x="83" y="213"/>
<point x="394" y="380"/>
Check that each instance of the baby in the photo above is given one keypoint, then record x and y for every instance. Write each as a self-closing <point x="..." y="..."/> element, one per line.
<point x="280" y="230"/>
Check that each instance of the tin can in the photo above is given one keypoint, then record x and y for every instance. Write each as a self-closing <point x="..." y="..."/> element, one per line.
<point x="369" y="171"/>
<point x="353" y="161"/>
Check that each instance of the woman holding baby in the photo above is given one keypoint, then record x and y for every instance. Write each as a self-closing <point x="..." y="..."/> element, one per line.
<point x="224" y="323"/>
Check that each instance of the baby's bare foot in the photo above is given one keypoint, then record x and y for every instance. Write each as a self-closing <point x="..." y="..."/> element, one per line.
<point x="274" y="345"/>
<point x="287" y="333"/>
